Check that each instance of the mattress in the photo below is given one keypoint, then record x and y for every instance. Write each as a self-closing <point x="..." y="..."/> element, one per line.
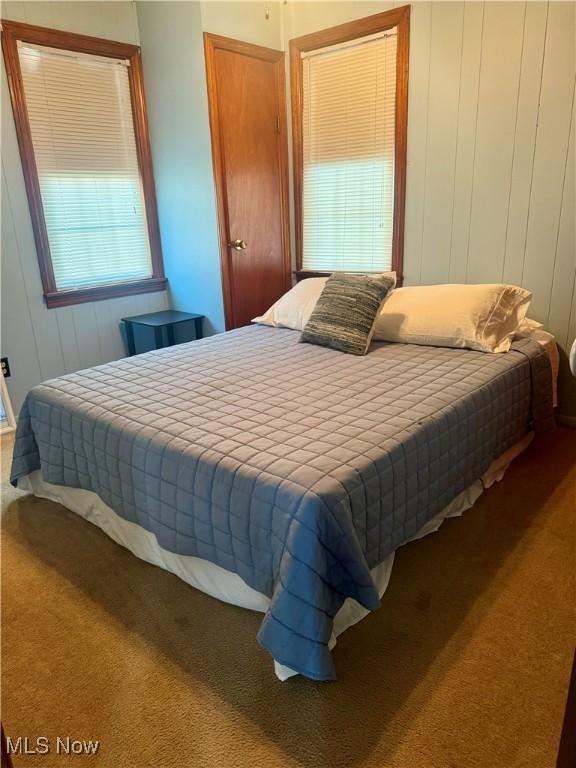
<point x="298" y="468"/>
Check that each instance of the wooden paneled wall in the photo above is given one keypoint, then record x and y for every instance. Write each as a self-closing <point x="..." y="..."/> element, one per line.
<point x="42" y="343"/>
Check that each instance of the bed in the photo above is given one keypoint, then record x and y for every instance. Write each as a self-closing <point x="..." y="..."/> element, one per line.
<point x="277" y="475"/>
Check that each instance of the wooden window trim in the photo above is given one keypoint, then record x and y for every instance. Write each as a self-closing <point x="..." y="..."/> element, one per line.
<point x="12" y="32"/>
<point x="379" y="22"/>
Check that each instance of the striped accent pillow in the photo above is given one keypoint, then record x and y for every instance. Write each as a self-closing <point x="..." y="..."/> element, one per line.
<point x="344" y="315"/>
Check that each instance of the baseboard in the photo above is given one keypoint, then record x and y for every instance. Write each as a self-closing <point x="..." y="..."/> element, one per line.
<point x="566" y="421"/>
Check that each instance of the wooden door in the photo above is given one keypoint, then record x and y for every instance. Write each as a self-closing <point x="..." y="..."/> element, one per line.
<point x="246" y="94"/>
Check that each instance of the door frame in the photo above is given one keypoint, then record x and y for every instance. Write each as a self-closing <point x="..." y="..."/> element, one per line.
<point x="212" y="43"/>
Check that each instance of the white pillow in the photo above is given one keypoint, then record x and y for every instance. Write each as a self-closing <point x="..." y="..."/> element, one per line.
<point x="528" y="326"/>
<point x="481" y="317"/>
<point x="293" y="310"/>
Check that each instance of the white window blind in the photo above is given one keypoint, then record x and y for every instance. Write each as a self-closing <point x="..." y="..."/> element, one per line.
<point x="80" y="115"/>
<point x="348" y="130"/>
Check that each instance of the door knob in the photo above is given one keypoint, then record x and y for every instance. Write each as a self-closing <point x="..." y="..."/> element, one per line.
<point x="238" y="245"/>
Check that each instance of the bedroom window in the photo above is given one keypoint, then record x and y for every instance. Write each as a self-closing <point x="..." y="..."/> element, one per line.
<point x="349" y="106"/>
<point x="81" y="124"/>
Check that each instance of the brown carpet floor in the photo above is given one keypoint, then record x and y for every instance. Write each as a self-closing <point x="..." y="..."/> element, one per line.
<point x="466" y="664"/>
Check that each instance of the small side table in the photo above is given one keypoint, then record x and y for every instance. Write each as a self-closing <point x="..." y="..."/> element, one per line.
<point x="160" y="321"/>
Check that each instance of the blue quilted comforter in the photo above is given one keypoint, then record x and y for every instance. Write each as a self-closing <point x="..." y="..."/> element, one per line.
<point x="297" y="467"/>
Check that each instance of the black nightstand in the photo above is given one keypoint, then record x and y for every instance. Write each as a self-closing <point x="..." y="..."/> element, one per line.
<point x="169" y="327"/>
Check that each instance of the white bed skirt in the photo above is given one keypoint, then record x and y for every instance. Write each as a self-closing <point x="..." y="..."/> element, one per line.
<point x="225" y="585"/>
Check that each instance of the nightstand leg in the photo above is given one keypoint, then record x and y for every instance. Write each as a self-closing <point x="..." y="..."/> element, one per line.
<point x="158" y="340"/>
<point x="170" y="333"/>
<point x="198" y="327"/>
<point x="130" y="339"/>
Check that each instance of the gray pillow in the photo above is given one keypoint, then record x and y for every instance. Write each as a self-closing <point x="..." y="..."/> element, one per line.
<point x="344" y="315"/>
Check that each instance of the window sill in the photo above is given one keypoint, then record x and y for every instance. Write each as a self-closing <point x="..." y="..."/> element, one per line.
<point x="65" y="298"/>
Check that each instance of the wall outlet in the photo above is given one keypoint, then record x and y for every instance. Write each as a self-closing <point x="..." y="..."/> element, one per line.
<point x="5" y="365"/>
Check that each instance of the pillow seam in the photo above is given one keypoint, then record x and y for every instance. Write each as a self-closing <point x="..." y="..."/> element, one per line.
<point x="494" y="308"/>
